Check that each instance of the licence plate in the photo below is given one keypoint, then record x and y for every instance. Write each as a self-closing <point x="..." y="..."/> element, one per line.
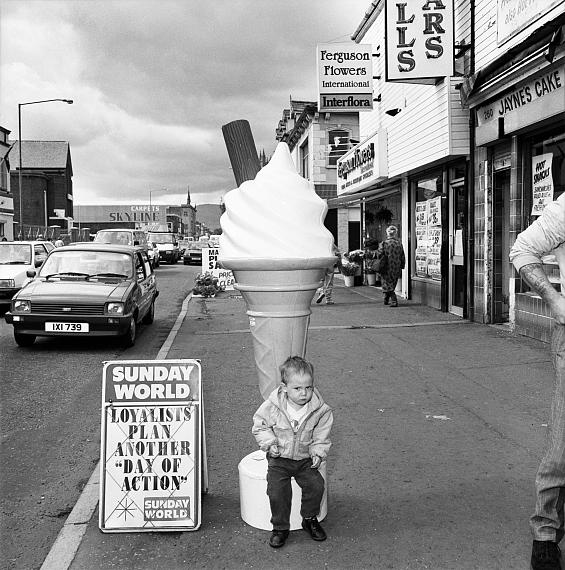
<point x="67" y="327"/>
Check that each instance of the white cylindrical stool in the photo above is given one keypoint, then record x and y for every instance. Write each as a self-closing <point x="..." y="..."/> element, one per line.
<point x="254" y="502"/>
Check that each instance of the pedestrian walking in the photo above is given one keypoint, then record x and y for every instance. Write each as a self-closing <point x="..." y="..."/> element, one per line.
<point x="391" y="254"/>
<point x="547" y="235"/>
<point x="293" y="426"/>
<point x="328" y="284"/>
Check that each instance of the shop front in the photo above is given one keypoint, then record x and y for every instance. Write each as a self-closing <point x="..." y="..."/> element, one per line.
<point x="438" y="250"/>
<point x="520" y="167"/>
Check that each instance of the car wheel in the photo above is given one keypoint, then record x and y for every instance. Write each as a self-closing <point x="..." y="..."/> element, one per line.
<point x="24" y="339"/>
<point x="150" y="315"/>
<point x="129" y="338"/>
<point x="185" y="262"/>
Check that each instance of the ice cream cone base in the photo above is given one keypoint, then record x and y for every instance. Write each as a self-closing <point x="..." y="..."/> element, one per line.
<point x="278" y="294"/>
<point x="274" y="340"/>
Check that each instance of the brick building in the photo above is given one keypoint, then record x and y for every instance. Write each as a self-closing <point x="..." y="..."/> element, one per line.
<point x="47" y="187"/>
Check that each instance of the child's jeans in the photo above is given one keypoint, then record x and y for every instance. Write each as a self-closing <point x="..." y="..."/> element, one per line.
<point x="279" y="489"/>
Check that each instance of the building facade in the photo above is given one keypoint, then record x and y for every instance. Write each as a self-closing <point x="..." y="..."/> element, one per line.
<point x="6" y="198"/>
<point x="517" y="100"/>
<point x="411" y="170"/>
<point x="179" y="219"/>
<point x="47" y="187"/>
<point x="316" y="141"/>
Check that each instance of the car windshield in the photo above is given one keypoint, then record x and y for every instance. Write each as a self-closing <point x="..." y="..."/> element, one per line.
<point x="88" y="263"/>
<point x="15" y="253"/>
<point x="115" y="237"/>
<point x="162" y="238"/>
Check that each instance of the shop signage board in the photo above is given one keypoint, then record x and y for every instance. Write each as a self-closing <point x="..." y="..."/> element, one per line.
<point x="542" y="182"/>
<point x="153" y="460"/>
<point x="515" y="15"/>
<point x="345" y="77"/>
<point x="364" y="165"/>
<point x="419" y="40"/>
<point x="210" y="265"/>
<point x="527" y="103"/>
<point x="121" y="214"/>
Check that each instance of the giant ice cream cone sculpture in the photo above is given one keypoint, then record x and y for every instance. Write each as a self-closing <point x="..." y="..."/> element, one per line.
<point x="274" y="241"/>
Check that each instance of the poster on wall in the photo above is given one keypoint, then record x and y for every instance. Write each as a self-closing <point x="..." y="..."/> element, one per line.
<point x="428" y="238"/>
<point x="434" y="253"/>
<point x="210" y="264"/>
<point x="434" y="211"/>
<point x="152" y="454"/>
<point x="542" y="182"/>
<point x="421" y="249"/>
<point x="422" y="214"/>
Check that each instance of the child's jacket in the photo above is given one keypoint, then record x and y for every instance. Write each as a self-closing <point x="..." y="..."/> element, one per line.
<point x="271" y="425"/>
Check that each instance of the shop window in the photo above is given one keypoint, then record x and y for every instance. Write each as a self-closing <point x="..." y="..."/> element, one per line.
<point x="546" y="171"/>
<point x="544" y="167"/>
<point x="339" y="145"/>
<point x="381" y="213"/>
<point x="428" y="227"/>
<point x="304" y="152"/>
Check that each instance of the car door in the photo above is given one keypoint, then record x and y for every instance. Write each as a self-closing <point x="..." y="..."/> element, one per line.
<point x="145" y="282"/>
<point x="40" y="255"/>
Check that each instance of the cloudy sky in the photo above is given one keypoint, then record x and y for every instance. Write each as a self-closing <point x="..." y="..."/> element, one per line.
<point x="153" y="81"/>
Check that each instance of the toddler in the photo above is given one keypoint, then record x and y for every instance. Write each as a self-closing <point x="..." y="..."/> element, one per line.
<point x="293" y="426"/>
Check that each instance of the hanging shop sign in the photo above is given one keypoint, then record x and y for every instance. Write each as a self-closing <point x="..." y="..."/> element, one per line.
<point x="210" y="265"/>
<point x="515" y="15"/>
<point x="419" y="40"/>
<point x="428" y="238"/>
<point x="364" y="165"/>
<point x="152" y="467"/>
<point x="539" y="98"/>
<point x="345" y="77"/>
<point x="542" y="182"/>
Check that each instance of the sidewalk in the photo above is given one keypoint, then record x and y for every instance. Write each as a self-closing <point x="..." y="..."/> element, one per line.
<point x="438" y="430"/>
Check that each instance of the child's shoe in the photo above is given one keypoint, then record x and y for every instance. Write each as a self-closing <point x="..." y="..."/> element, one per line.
<point x="313" y="528"/>
<point x="278" y="538"/>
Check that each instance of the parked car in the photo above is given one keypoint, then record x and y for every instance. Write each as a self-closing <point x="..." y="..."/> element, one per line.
<point x="86" y="289"/>
<point x="193" y="253"/>
<point x="168" y="245"/>
<point x="123" y="236"/>
<point x="16" y="258"/>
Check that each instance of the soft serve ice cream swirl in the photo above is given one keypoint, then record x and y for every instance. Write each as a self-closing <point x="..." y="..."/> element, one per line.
<point x="277" y="215"/>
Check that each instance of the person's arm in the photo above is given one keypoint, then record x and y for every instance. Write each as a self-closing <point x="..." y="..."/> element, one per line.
<point x="534" y="275"/>
<point x="321" y="438"/>
<point x="263" y="430"/>
<point x="543" y="236"/>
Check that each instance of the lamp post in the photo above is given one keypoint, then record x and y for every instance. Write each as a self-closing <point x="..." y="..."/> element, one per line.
<point x="20" y="105"/>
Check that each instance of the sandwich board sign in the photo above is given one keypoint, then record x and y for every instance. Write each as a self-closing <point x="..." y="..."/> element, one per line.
<point x="152" y="457"/>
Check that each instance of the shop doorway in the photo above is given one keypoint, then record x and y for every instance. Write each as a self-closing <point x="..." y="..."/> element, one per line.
<point x="500" y="246"/>
<point x="457" y="245"/>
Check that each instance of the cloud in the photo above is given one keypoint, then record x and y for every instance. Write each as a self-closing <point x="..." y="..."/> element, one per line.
<point x="154" y="81"/>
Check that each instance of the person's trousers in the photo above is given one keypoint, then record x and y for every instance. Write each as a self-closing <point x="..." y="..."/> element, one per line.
<point x="390" y="297"/>
<point x="547" y="521"/>
<point x="279" y="489"/>
<point x="328" y="286"/>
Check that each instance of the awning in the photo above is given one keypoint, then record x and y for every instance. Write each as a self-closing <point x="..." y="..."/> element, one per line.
<point x="350" y="199"/>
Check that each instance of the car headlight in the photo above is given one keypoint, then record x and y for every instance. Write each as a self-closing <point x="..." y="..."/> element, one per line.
<point x="7" y="283"/>
<point x="115" y="308"/>
<point x="21" y="306"/>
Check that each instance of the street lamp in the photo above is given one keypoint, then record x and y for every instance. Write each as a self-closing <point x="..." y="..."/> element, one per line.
<point x="20" y="105"/>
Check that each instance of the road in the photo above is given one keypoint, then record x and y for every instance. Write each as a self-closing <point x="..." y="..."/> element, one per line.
<point x="50" y="398"/>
